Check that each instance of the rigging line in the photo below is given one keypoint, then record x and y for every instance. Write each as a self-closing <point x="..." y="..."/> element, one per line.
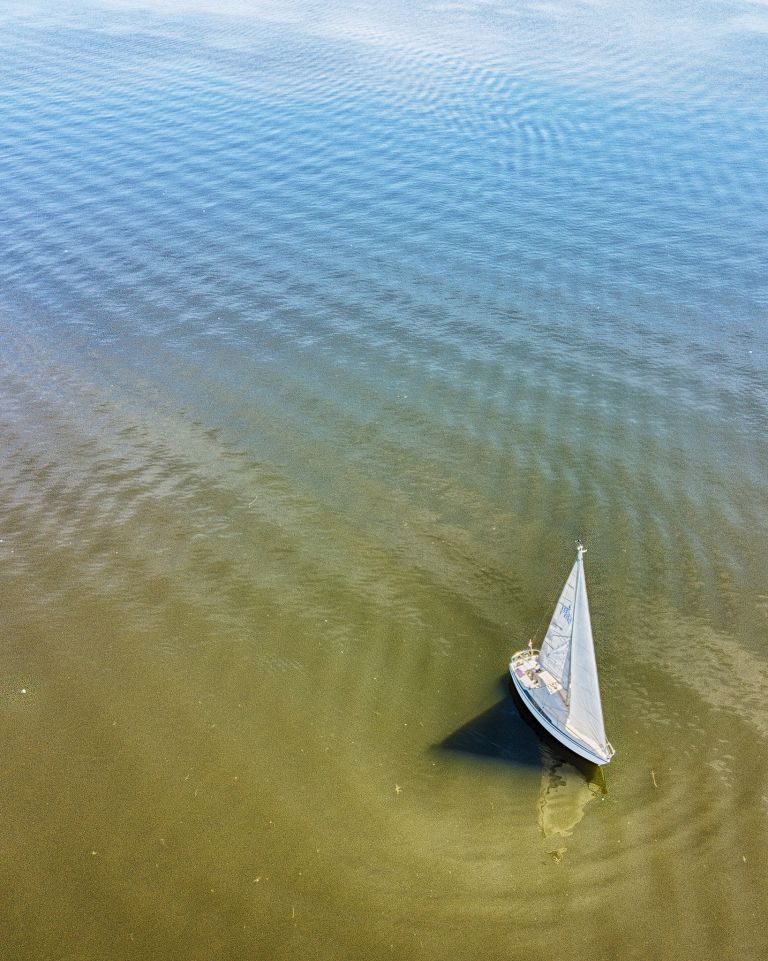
<point x="544" y="620"/>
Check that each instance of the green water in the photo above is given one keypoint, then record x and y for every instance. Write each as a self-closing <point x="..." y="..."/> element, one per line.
<point x="325" y="332"/>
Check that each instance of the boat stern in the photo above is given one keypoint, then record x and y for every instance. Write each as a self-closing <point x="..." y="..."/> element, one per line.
<point x="525" y="669"/>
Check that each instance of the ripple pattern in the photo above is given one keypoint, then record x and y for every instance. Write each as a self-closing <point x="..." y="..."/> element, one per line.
<point x="325" y="330"/>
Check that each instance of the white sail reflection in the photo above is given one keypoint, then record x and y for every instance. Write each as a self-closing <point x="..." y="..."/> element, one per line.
<point x="565" y="792"/>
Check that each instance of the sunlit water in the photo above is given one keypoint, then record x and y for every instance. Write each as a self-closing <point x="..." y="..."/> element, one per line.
<point x="325" y="331"/>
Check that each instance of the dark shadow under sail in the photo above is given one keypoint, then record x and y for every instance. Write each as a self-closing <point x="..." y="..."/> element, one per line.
<point x="507" y="733"/>
<point x="498" y="734"/>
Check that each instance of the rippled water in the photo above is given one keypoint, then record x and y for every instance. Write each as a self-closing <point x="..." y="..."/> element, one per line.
<point x="325" y="331"/>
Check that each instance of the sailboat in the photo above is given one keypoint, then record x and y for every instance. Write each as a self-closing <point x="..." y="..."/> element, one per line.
<point x="558" y="684"/>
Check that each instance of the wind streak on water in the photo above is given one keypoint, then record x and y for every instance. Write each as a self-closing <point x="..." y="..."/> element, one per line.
<point x="320" y="347"/>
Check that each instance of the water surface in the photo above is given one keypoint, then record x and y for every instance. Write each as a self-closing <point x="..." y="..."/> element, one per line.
<point x="325" y="332"/>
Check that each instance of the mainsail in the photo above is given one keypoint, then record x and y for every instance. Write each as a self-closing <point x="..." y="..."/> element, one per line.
<point x="585" y="714"/>
<point x="555" y="654"/>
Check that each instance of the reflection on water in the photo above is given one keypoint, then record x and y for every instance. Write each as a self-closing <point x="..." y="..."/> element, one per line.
<point x="566" y="790"/>
<point x="506" y="734"/>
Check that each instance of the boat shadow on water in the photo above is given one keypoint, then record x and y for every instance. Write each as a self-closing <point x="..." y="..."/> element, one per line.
<point x="508" y="735"/>
<point x="501" y="733"/>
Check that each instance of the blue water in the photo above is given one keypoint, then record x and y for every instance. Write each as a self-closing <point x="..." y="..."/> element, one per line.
<point x="325" y="331"/>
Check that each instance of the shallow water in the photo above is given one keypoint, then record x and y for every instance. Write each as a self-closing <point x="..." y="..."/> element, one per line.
<point x="324" y="333"/>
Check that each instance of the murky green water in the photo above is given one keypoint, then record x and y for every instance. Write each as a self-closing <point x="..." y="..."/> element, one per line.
<point x="325" y="331"/>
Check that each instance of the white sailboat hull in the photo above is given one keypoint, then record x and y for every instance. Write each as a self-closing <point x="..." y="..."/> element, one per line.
<point x="567" y="740"/>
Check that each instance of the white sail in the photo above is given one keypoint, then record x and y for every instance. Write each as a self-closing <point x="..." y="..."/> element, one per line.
<point x="555" y="654"/>
<point x="585" y="714"/>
